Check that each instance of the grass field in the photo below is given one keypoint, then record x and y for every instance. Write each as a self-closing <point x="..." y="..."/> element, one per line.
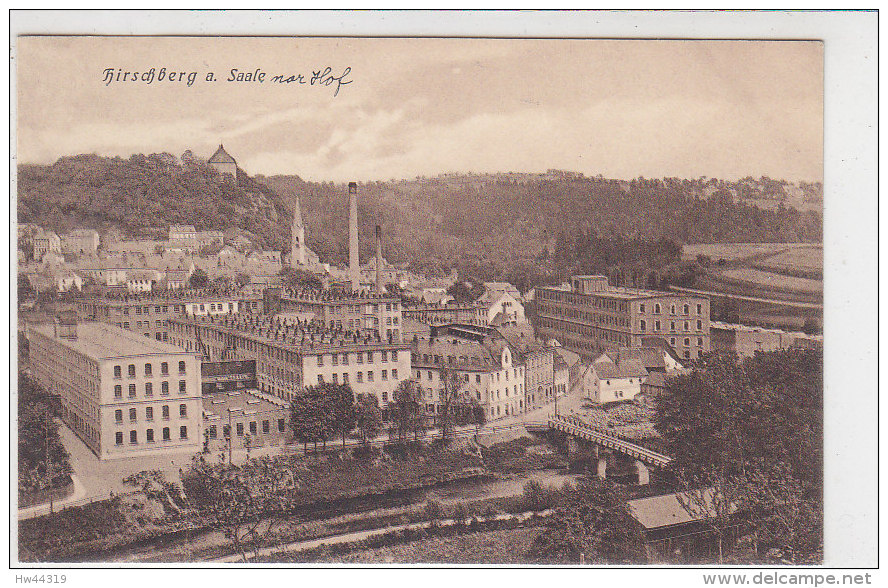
<point x="804" y="258"/>
<point x="490" y="547"/>
<point x="731" y="251"/>
<point x="774" y="280"/>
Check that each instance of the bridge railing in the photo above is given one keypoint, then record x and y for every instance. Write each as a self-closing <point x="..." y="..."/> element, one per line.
<point x="575" y="425"/>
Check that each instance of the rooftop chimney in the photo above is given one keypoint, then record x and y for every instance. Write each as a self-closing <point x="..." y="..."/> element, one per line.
<point x="66" y="326"/>
<point x="379" y="259"/>
<point x="354" y="262"/>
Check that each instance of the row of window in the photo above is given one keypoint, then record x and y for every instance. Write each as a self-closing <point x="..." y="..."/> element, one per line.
<point x="149" y="389"/>
<point x="149" y="369"/>
<point x="686" y="309"/>
<point x="643" y="325"/>
<point x="212" y="431"/>
<point x="149" y="435"/>
<point x="337" y="358"/>
<point x="356" y="309"/>
<point x="360" y="377"/>
<point x="149" y="413"/>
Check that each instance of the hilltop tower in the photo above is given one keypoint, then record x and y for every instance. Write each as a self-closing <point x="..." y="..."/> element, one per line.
<point x="297" y="237"/>
<point x="224" y="163"/>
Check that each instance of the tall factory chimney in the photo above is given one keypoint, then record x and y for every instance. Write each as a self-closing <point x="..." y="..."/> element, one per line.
<point x="379" y="288"/>
<point x="354" y="260"/>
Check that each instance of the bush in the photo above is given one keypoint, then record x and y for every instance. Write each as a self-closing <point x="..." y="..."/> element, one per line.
<point x="433" y="511"/>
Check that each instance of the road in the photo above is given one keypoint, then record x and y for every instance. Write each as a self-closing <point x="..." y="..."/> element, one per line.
<point x="95" y="479"/>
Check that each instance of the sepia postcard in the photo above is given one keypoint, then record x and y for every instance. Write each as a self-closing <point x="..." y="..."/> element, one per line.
<point x="458" y="300"/>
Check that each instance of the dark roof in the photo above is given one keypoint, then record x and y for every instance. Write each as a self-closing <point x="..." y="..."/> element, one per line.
<point x="221" y="156"/>
<point x="650" y="357"/>
<point x="625" y="369"/>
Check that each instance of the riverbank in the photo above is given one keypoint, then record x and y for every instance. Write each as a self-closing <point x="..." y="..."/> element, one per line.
<point x="139" y="526"/>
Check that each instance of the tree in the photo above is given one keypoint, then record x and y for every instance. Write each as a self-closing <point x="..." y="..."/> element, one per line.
<point x="592" y="525"/>
<point x="222" y="281"/>
<point x="406" y="410"/>
<point x="299" y="279"/>
<point x="368" y="417"/>
<point x="242" y="279"/>
<point x="479" y="415"/>
<point x="25" y="291"/>
<point x="246" y="502"/>
<point x="787" y="517"/>
<point x="343" y="405"/>
<point x="752" y="430"/>
<point x="311" y="417"/>
<point x="199" y="279"/>
<point x="456" y="404"/>
<point x="43" y="461"/>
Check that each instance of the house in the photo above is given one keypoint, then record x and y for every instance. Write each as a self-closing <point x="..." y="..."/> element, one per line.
<point x="502" y="288"/>
<point x="140" y="280"/>
<point x="490" y="372"/>
<point x="241" y="243"/>
<point x="267" y="256"/>
<point x="175" y="279"/>
<point x="661" y="359"/>
<point x="52" y="260"/>
<point x="61" y="281"/>
<point x="435" y="296"/>
<point x="674" y="525"/>
<point x="604" y="381"/>
<point x="183" y="237"/>
<point x="45" y="242"/>
<point x="210" y="239"/>
<point x="500" y="307"/>
<point x="226" y="254"/>
<point x="81" y="242"/>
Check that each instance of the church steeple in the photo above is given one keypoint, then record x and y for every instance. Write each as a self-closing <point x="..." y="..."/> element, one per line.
<point x="297" y="236"/>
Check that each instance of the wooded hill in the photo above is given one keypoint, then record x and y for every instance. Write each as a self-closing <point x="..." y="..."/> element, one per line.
<point x="488" y="226"/>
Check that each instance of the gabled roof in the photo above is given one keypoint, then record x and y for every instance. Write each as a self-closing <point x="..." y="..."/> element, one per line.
<point x="674" y="509"/>
<point x="650" y="357"/>
<point x="625" y="369"/>
<point x="221" y="156"/>
<point x="570" y="358"/>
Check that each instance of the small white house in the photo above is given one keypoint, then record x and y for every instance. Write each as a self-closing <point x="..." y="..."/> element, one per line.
<point x="141" y="280"/>
<point x="610" y="382"/>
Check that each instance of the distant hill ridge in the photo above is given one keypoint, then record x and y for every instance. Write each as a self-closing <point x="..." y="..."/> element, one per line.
<point x="495" y="221"/>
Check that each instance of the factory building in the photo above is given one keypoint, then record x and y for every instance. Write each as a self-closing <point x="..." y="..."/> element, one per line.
<point x="291" y="355"/>
<point x="124" y="395"/>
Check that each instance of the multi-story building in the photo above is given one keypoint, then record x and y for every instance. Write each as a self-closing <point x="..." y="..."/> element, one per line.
<point x="183" y="237"/>
<point x="46" y="242"/>
<point x="745" y="340"/>
<point x="358" y="312"/>
<point x="489" y="370"/>
<point x="499" y="306"/>
<point x="292" y="355"/>
<point x="210" y="239"/>
<point x="148" y="314"/>
<point x="81" y="242"/>
<point x="124" y="395"/>
<point x="539" y="362"/>
<point x="590" y="317"/>
<point x="442" y="314"/>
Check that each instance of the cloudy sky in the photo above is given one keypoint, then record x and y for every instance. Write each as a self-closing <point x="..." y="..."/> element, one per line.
<point x="426" y="106"/>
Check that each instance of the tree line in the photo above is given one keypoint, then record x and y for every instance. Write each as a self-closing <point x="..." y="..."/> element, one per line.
<point x="330" y="411"/>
